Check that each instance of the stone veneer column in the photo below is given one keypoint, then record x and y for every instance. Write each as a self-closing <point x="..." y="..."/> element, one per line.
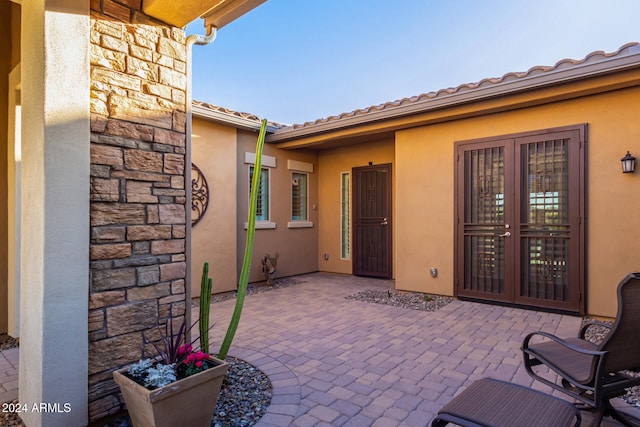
<point x="138" y="220"/>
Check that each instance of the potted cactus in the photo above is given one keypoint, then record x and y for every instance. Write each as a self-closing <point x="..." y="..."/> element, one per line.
<point x="181" y="385"/>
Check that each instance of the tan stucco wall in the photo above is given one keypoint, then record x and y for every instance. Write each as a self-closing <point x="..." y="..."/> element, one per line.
<point x="424" y="173"/>
<point x="5" y="67"/>
<point x="332" y="163"/>
<point x="213" y="239"/>
<point x="297" y="247"/>
<point x="55" y="214"/>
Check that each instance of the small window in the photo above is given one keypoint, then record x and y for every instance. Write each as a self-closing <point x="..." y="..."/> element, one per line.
<point x="345" y="223"/>
<point x="299" y="196"/>
<point x="262" y="208"/>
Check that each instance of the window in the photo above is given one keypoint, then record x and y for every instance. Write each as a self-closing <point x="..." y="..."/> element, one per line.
<point x="299" y="196"/>
<point x="300" y="193"/>
<point x="345" y="224"/>
<point x="262" y="208"/>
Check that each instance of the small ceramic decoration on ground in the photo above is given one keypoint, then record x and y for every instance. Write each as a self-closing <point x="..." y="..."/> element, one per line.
<point x="269" y="264"/>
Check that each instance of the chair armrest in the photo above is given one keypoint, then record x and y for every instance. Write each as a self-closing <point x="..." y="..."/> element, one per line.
<point x="525" y="344"/>
<point x="587" y="325"/>
<point x="597" y="356"/>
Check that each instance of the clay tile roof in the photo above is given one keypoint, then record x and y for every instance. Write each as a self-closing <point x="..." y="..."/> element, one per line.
<point x="231" y="114"/>
<point x="592" y="58"/>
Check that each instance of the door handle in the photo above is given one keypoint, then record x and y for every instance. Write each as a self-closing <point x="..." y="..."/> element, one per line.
<point x="384" y="222"/>
<point x="507" y="234"/>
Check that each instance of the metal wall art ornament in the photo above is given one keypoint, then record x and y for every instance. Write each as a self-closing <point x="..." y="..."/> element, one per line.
<point x="199" y="194"/>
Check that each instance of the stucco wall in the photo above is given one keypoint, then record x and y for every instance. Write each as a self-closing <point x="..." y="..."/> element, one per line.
<point x="332" y="163"/>
<point x="55" y="209"/>
<point x="5" y="67"/>
<point x="425" y="188"/>
<point x="213" y="239"/>
<point x="297" y="247"/>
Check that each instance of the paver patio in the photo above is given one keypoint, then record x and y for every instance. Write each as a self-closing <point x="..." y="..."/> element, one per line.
<point x="8" y="375"/>
<point x="340" y="362"/>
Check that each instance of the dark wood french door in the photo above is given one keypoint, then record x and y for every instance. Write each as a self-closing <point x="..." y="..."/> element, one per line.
<point x="520" y="219"/>
<point x="372" y="254"/>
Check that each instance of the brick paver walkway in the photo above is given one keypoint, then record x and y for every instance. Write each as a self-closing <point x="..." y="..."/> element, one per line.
<point x="340" y="362"/>
<point x="8" y="375"/>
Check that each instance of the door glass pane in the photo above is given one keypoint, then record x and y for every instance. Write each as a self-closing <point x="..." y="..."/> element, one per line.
<point x="484" y="220"/>
<point x="486" y="198"/>
<point x="545" y="220"/>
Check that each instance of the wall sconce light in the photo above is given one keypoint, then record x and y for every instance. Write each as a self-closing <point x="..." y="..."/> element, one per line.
<point x="628" y="163"/>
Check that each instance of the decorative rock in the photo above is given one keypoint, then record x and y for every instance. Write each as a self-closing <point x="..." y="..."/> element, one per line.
<point x="107" y="234"/>
<point x="148" y="292"/>
<point x="148" y="232"/>
<point x="145" y="161"/>
<point x="113" y="279"/>
<point x="130" y="130"/>
<point x="105" y="155"/>
<point x="167" y="246"/>
<point x="119" y="250"/>
<point x="132" y="317"/>
<point x="117" y="213"/>
<point x="139" y="192"/>
<point x="114" y="351"/>
<point x="105" y="190"/>
<point x="105" y="299"/>
<point x="174" y="164"/>
<point x="172" y="214"/>
<point x="148" y="275"/>
<point x="176" y="270"/>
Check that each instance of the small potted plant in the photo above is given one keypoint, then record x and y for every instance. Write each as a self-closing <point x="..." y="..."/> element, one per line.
<point x="180" y="387"/>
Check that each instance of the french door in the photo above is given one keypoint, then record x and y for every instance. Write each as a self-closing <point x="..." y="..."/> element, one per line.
<point x="520" y="219"/>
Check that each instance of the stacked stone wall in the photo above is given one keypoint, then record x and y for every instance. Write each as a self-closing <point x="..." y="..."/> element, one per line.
<point x="138" y="219"/>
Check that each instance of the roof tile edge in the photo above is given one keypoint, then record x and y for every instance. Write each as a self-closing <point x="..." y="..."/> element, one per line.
<point x="628" y="49"/>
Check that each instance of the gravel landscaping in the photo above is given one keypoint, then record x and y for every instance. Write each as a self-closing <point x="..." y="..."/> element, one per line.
<point x="412" y="300"/>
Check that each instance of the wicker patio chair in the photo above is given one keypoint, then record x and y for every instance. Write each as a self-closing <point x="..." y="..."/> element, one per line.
<point x="593" y="374"/>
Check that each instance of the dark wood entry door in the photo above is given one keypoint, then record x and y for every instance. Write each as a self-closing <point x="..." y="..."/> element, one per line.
<point x="372" y="254"/>
<point x="519" y="214"/>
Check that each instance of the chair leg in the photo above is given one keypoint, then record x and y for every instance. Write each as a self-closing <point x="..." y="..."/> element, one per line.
<point x="624" y="418"/>
<point x="438" y="422"/>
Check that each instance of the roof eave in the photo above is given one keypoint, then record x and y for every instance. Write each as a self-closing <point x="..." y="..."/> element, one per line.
<point x="228" y="119"/>
<point x="465" y="95"/>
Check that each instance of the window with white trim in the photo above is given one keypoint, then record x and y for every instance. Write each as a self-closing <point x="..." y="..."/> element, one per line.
<point x="300" y="181"/>
<point x="262" y="207"/>
<point x="299" y="196"/>
<point x="345" y="216"/>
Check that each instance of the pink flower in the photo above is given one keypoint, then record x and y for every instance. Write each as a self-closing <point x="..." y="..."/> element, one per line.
<point x="198" y="364"/>
<point x="184" y="350"/>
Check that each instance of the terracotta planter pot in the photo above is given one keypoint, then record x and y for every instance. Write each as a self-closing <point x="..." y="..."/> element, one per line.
<point x="187" y="402"/>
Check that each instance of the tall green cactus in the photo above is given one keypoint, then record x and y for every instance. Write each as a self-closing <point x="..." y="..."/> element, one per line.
<point x="205" y="307"/>
<point x="248" y="251"/>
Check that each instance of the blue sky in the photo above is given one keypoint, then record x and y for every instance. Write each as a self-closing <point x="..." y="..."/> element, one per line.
<point x="293" y="61"/>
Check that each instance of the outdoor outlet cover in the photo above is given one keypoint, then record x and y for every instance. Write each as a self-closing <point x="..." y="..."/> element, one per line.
<point x="326" y="257"/>
<point x="434" y="272"/>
